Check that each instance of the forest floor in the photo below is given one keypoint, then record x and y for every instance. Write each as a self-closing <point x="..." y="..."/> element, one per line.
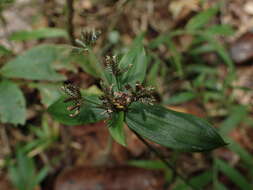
<point x="84" y="157"/>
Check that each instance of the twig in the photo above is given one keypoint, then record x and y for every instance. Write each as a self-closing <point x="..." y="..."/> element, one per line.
<point x="70" y="25"/>
<point x="5" y="139"/>
<point x="66" y="140"/>
<point x="5" y="30"/>
<point x="161" y="157"/>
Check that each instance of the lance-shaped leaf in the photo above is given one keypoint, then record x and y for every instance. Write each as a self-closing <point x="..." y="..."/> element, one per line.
<point x="116" y="128"/>
<point x="135" y="62"/>
<point x="173" y="129"/>
<point x="38" y="34"/>
<point x="201" y="19"/>
<point x="89" y="113"/>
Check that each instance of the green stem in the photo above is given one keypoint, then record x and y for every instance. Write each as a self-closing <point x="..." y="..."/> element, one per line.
<point x="161" y="157"/>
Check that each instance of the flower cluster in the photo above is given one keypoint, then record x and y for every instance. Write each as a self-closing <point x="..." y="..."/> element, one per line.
<point x="112" y="66"/>
<point x="88" y="37"/>
<point x="74" y="95"/>
<point x="113" y="101"/>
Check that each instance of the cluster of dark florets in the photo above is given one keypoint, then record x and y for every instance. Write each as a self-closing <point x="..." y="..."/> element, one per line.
<point x="113" y="101"/>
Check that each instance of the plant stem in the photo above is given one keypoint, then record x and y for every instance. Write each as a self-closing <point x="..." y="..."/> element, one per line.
<point x="118" y="83"/>
<point x="161" y="157"/>
<point x="70" y="25"/>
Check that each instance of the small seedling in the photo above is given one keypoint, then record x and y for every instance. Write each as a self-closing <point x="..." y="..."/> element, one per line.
<point x="23" y="172"/>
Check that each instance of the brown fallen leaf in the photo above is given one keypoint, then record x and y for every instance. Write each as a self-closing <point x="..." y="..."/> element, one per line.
<point x="181" y="8"/>
<point x="5" y="184"/>
<point x="241" y="50"/>
<point x="116" y="178"/>
<point x="244" y="83"/>
<point x="248" y="7"/>
<point x="189" y="108"/>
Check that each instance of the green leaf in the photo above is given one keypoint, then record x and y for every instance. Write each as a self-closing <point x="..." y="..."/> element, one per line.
<point x="201" y="19"/>
<point x="12" y="103"/>
<point x="23" y="172"/>
<point x="49" y="93"/>
<point x="200" y="49"/>
<point x="237" y="114"/>
<point x="162" y="38"/>
<point x="199" y="181"/>
<point x="176" y="57"/>
<point x="116" y="128"/>
<point x="89" y="113"/>
<point x="234" y="175"/>
<point x="38" y="34"/>
<point x="5" y="3"/>
<point x="199" y="68"/>
<point x="181" y="98"/>
<point x="173" y="129"/>
<point x="88" y="63"/>
<point x="41" y="175"/>
<point x="202" y="179"/>
<point x="245" y="156"/>
<point x="220" y="49"/>
<point x="136" y="57"/>
<point x="153" y="165"/>
<point x="93" y="90"/>
<point x="148" y="164"/>
<point x="15" y="178"/>
<point x="223" y="29"/>
<point x="220" y="186"/>
<point x="34" y="64"/>
<point x="152" y="76"/>
<point x="4" y="51"/>
<point x="64" y="59"/>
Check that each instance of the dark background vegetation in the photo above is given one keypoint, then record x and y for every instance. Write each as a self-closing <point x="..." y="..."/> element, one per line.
<point x="200" y="62"/>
